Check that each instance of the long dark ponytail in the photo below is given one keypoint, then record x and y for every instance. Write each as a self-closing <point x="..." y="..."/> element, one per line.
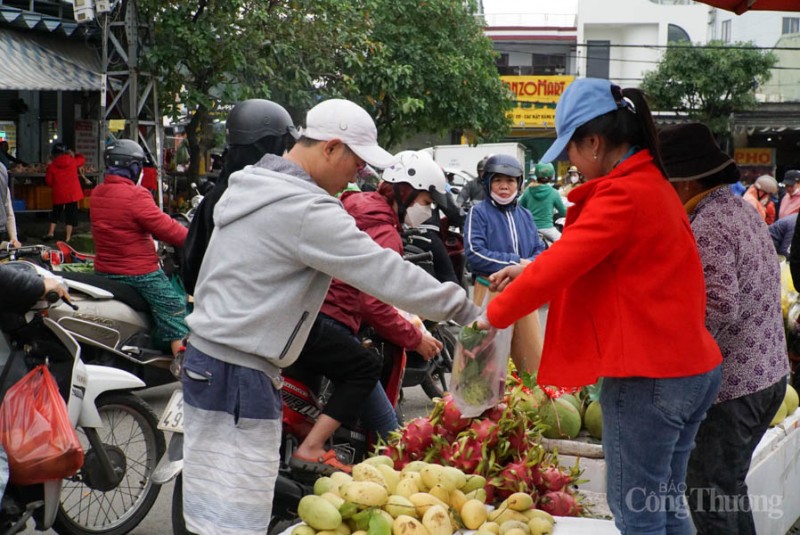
<point x="632" y="122"/>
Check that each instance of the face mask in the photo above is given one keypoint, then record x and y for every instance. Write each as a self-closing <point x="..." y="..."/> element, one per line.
<point x="417" y="214"/>
<point x="500" y="200"/>
<point x="574" y="179"/>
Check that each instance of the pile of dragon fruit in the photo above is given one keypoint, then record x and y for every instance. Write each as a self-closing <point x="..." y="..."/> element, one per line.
<point x="503" y="445"/>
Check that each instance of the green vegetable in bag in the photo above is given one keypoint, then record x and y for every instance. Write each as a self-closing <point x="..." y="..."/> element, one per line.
<point x="470" y="336"/>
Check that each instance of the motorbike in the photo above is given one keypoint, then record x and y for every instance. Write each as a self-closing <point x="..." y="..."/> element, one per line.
<point x="113" y="490"/>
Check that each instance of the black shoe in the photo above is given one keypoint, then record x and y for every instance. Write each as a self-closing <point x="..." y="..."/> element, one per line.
<point x="48" y="237"/>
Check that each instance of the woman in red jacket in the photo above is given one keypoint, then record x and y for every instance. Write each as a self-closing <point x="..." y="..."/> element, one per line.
<point x="62" y="176"/>
<point x="124" y="221"/>
<point x="631" y="308"/>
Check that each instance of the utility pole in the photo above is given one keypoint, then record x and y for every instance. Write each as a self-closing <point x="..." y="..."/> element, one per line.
<point x="129" y="94"/>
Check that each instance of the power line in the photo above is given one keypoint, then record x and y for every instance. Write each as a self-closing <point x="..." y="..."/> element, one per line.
<point x="670" y="45"/>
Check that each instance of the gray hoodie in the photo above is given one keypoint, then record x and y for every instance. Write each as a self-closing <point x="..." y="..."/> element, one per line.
<point x="278" y="241"/>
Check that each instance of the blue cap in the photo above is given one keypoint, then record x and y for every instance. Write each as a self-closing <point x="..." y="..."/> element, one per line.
<point x="582" y="101"/>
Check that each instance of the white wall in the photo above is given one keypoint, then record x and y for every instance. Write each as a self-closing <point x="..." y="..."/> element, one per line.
<point x="761" y="27"/>
<point x="635" y="22"/>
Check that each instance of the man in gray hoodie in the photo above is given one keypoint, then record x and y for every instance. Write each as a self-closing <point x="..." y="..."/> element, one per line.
<point x="280" y="237"/>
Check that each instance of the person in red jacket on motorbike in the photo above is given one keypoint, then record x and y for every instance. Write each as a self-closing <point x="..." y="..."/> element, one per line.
<point x="333" y="348"/>
<point x="125" y="219"/>
<point x="62" y="177"/>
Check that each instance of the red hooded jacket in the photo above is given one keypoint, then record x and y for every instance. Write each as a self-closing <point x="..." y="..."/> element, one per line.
<point x="350" y="306"/>
<point x="62" y="176"/>
<point x="124" y="221"/>
<point x="625" y="285"/>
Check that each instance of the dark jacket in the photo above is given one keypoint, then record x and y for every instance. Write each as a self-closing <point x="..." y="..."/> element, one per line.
<point x="471" y="194"/>
<point x="194" y="248"/>
<point x="19" y="290"/>
<point x="124" y="221"/>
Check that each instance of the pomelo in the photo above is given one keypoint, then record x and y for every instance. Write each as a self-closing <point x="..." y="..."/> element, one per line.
<point x="791" y="399"/>
<point x="779" y="416"/>
<point x="593" y="420"/>
<point x="560" y="418"/>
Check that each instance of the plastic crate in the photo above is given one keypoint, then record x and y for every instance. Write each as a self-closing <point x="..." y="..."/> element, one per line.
<point x="19" y="205"/>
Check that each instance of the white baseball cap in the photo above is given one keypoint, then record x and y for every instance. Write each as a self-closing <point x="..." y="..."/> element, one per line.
<point x="341" y="119"/>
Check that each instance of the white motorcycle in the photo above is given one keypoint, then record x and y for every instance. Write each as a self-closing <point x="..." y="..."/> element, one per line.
<point x="114" y="489"/>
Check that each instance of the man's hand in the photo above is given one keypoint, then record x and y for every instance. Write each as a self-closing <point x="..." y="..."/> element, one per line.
<point x="502" y="278"/>
<point x="14" y="244"/>
<point x="428" y="347"/>
<point x="53" y="285"/>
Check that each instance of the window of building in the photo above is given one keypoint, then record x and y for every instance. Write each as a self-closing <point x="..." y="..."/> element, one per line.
<point x="676" y="34"/>
<point x="726" y="31"/>
<point x="502" y="60"/>
<point x="598" y="58"/>
<point x="791" y="25"/>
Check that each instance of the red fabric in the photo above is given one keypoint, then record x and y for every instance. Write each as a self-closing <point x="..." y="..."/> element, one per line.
<point x="625" y="285"/>
<point x="740" y="6"/>
<point x="375" y="216"/>
<point x="150" y="178"/>
<point x="125" y="219"/>
<point x="62" y="176"/>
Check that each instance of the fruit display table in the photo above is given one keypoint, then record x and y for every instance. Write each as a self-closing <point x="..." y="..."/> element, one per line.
<point x="773" y="479"/>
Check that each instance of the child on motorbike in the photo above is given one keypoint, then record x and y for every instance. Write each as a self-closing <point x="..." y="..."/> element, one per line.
<point x="499" y="234"/>
<point x="333" y="348"/>
<point x="124" y="221"/>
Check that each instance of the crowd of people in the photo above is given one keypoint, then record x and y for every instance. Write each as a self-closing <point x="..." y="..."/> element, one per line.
<point x="663" y="261"/>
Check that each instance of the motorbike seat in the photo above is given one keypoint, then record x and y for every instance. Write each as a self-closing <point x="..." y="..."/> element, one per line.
<point x="122" y="292"/>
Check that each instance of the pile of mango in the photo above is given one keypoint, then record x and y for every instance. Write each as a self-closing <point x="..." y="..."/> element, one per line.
<point x="422" y="499"/>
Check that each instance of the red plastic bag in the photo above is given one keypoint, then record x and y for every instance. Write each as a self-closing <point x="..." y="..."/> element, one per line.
<point x="37" y="435"/>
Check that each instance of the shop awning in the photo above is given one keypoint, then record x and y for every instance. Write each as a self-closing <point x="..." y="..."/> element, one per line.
<point x="41" y="62"/>
<point x="740" y="6"/>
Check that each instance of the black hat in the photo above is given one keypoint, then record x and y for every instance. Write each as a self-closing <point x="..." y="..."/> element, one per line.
<point x="792" y="176"/>
<point x="690" y="152"/>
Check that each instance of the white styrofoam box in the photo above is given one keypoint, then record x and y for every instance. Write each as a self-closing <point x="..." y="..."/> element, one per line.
<point x="102" y="6"/>
<point x="594" y="471"/>
<point x="83" y="4"/>
<point x="84" y="15"/>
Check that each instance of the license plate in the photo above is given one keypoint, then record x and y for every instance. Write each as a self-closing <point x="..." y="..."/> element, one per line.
<point x="172" y="417"/>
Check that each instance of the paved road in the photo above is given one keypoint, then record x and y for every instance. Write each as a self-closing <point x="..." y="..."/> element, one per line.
<point x="158" y="521"/>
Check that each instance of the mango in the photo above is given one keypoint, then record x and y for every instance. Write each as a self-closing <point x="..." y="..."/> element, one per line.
<point x="398" y="505"/>
<point x="540" y="526"/>
<point x="365" y="493"/>
<point x="406" y="525"/>
<point x="473" y="514"/>
<point x="366" y="472"/>
<point x="437" y="521"/>
<point x="519" y="501"/>
<point x="318" y="513"/>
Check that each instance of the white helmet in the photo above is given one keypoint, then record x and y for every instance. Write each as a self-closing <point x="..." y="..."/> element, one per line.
<point x="767" y="184"/>
<point x="417" y="169"/>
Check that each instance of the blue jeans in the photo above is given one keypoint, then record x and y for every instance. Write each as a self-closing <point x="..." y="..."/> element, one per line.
<point x="649" y="426"/>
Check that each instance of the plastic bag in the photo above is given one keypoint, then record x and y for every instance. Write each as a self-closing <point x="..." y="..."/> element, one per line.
<point x="37" y="435"/>
<point x="480" y="366"/>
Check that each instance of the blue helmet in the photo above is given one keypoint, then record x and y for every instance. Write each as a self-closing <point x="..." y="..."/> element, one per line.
<point x="502" y="164"/>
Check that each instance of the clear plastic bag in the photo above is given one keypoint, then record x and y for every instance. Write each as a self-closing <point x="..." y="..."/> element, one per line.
<point x="480" y="366"/>
<point x="37" y="435"/>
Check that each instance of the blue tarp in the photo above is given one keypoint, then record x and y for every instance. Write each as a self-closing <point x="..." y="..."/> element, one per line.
<point x="40" y="62"/>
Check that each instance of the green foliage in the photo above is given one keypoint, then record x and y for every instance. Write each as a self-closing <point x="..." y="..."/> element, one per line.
<point x="433" y="71"/>
<point x="416" y="66"/>
<point x="709" y="83"/>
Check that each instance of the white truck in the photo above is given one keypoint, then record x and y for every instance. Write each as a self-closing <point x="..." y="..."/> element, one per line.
<point x="466" y="157"/>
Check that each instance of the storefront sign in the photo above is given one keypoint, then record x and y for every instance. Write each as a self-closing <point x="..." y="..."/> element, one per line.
<point x="86" y="141"/>
<point x="536" y="98"/>
<point x="753" y="156"/>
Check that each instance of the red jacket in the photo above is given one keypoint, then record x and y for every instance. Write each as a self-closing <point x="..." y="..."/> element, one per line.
<point x="62" y="176"/>
<point x="375" y="216"/>
<point x="124" y="221"/>
<point x="625" y="285"/>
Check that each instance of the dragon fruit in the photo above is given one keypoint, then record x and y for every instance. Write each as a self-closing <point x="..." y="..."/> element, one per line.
<point x="559" y="503"/>
<point x="451" y="418"/>
<point x="554" y="479"/>
<point x="486" y="432"/>
<point x="418" y="437"/>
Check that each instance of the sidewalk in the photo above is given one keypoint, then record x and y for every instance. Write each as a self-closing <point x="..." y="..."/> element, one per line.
<point x="31" y="226"/>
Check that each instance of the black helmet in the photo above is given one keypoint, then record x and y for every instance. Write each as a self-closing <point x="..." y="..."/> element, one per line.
<point x="123" y="153"/>
<point x="251" y="120"/>
<point x="59" y="148"/>
<point x="502" y="164"/>
<point x="482" y="163"/>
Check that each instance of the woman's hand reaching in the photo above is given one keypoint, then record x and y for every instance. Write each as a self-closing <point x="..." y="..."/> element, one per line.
<point x="502" y="278"/>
